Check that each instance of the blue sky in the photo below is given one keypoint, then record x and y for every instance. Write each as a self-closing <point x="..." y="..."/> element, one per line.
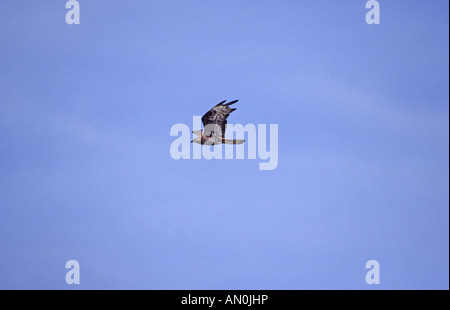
<point x="86" y="172"/>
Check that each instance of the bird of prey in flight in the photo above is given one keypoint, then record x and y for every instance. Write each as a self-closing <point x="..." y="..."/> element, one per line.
<point x="215" y="124"/>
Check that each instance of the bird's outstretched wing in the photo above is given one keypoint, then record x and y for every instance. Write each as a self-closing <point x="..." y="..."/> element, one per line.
<point x="215" y="120"/>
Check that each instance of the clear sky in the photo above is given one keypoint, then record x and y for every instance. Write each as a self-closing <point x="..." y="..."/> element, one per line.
<point x="86" y="171"/>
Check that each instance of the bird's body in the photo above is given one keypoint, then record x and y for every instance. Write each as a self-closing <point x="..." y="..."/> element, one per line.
<point x="215" y="124"/>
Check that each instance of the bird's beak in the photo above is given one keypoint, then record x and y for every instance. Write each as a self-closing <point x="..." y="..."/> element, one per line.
<point x="192" y="141"/>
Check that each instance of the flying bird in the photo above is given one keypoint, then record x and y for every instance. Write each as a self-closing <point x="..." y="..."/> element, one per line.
<point x="215" y="124"/>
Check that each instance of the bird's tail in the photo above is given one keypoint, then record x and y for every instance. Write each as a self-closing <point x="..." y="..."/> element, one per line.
<point x="233" y="141"/>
